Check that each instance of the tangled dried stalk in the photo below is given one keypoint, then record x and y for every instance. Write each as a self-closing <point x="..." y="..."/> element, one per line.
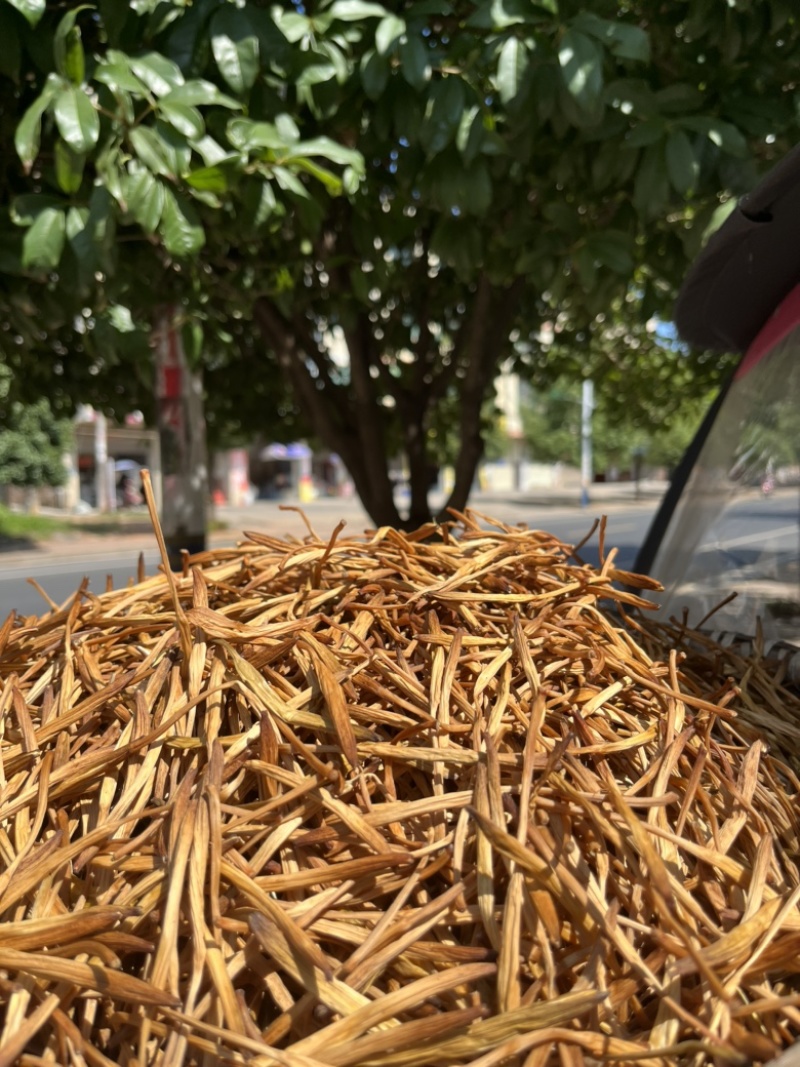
<point x="390" y="801"/>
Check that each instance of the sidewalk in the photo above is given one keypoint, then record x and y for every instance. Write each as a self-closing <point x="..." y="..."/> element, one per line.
<point x="283" y="520"/>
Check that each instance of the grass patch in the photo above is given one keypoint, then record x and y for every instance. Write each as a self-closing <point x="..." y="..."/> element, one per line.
<point x="19" y="526"/>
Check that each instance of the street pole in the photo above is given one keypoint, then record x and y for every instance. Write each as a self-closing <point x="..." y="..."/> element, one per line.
<point x="587" y="406"/>
<point x="100" y="462"/>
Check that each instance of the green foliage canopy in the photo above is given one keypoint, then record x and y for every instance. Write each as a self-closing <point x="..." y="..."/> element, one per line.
<point x="524" y="163"/>
<point x="32" y="446"/>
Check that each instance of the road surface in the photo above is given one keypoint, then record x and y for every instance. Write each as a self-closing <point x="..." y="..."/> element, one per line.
<point x="60" y="577"/>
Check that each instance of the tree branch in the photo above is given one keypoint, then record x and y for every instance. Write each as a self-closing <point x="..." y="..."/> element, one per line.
<point x="491" y="317"/>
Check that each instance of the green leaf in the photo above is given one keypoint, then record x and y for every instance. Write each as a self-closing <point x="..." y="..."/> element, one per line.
<point x="108" y="170"/>
<point x="682" y="164"/>
<point x="144" y="198"/>
<point x="259" y="203"/>
<point x="198" y="92"/>
<point x="719" y="216"/>
<point x="235" y="47"/>
<point x="180" y="226"/>
<point x="351" y="180"/>
<point x="77" y="120"/>
<point x="176" y="147"/>
<point x="501" y="14"/>
<point x="114" y="15"/>
<point x="389" y="30"/>
<point x="374" y="74"/>
<point x="651" y="186"/>
<point x="68" y="49"/>
<point x="43" y="243"/>
<point x="316" y="70"/>
<point x="93" y="241"/>
<point x="69" y="166"/>
<point x="355" y="10"/>
<point x="612" y="249"/>
<point x="332" y="150"/>
<point x="211" y="151"/>
<point x="121" y="318"/>
<point x="723" y="134"/>
<point x="287" y="128"/>
<point x="119" y="76"/>
<point x="152" y="151"/>
<point x="679" y="98"/>
<point x="632" y="96"/>
<point x="192" y="338"/>
<point x="621" y="38"/>
<point x="581" y="63"/>
<point x="442" y="114"/>
<point x="334" y="54"/>
<point x="646" y="133"/>
<point x="415" y="63"/>
<point x="214" y="179"/>
<point x="77" y="218"/>
<point x="294" y="26"/>
<point x="31" y="9"/>
<point x="247" y="135"/>
<point x="289" y="182"/>
<point x="185" y="119"/>
<point x="29" y="131"/>
<point x="511" y="68"/>
<point x="25" y="209"/>
<point x="331" y="181"/>
<point x="469" y="137"/>
<point x="629" y="42"/>
<point x="158" y="73"/>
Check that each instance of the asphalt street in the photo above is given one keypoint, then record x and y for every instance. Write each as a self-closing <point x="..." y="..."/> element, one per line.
<point x="59" y="570"/>
<point x="755" y="522"/>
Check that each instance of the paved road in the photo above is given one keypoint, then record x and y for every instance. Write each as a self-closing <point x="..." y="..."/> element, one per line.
<point x="60" y="578"/>
<point x="60" y="568"/>
<point x="756" y="521"/>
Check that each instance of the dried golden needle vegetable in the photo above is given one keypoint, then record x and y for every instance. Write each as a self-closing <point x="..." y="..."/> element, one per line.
<point x="394" y="801"/>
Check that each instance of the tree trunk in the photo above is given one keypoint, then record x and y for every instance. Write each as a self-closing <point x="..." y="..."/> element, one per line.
<point x="182" y="434"/>
<point x="356" y="436"/>
<point x="31" y="500"/>
<point x="351" y="422"/>
<point x="484" y="338"/>
<point x="419" y="469"/>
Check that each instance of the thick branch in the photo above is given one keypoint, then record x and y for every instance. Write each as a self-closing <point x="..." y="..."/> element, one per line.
<point x="368" y="423"/>
<point x="279" y="335"/>
<point x="339" y="433"/>
<point x="493" y="314"/>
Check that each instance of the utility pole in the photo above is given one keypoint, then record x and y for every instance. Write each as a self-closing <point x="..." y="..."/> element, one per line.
<point x="587" y="406"/>
<point x="100" y="462"/>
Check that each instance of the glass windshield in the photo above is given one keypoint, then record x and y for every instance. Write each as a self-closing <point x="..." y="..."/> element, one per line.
<point x="736" y="528"/>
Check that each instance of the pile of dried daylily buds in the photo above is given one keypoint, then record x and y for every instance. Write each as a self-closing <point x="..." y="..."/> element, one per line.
<point x="389" y="801"/>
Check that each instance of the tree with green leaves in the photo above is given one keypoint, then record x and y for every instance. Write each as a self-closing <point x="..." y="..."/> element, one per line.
<point x="141" y="172"/>
<point x="32" y="446"/>
<point x="551" y="422"/>
<point x="527" y="165"/>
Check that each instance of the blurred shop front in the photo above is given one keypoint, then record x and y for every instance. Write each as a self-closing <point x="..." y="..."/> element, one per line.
<point x="294" y="472"/>
<point x="106" y="458"/>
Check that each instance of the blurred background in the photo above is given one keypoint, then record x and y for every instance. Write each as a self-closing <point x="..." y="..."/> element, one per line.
<point x="406" y="256"/>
